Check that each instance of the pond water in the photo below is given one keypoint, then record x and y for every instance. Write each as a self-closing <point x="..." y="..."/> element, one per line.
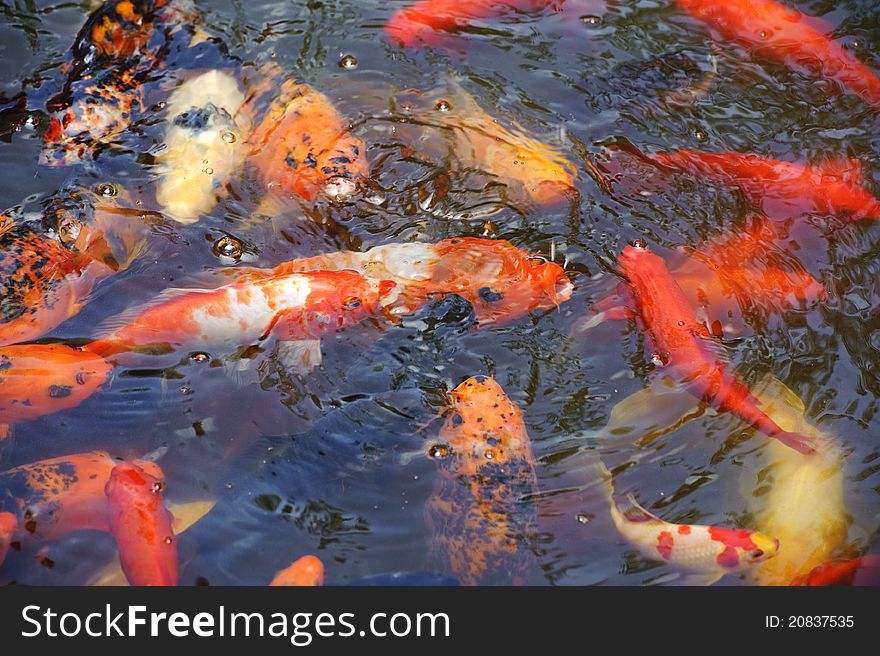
<point x="335" y="462"/>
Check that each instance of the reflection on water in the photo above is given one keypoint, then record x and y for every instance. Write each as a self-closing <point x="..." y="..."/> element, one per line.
<point x="334" y="462"/>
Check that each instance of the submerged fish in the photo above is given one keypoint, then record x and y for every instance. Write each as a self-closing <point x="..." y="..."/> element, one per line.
<point x="501" y="281"/>
<point x="307" y="571"/>
<point x="291" y="307"/>
<point x="858" y="571"/>
<point x="8" y="526"/>
<point x="424" y="21"/>
<point x="833" y="188"/>
<point x="51" y="498"/>
<point x="683" y="345"/>
<point x="782" y="34"/>
<point x="533" y="171"/>
<point x="120" y="46"/>
<point x="303" y="147"/>
<point x="39" y="379"/>
<point x="205" y="144"/>
<point x="704" y="553"/>
<point x="478" y="516"/>
<point x="142" y="526"/>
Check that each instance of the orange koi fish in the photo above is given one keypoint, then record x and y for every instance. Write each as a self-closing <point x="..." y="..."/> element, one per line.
<point x="682" y="343"/>
<point x="834" y="188"/>
<point x="142" y="526"/>
<point x="781" y="34"/>
<point x="54" y="497"/>
<point x="705" y="553"/>
<point x="8" y="526"/>
<point x="533" y="171"/>
<point x="39" y="379"/>
<point x="308" y="572"/>
<point x="303" y="147"/>
<point x="858" y="571"/>
<point x="119" y="47"/>
<point x="478" y="519"/>
<point x="422" y="22"/>
<point x="296" y="306"/>
<point x="501" y="281"/>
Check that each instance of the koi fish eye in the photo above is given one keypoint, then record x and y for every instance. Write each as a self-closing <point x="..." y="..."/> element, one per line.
<point x="755" y="554"/>
<point x="639" y="244"/>
<point x="351" y="303"/>
<point x="107" y="190"/>
<point x="488" y="295"/>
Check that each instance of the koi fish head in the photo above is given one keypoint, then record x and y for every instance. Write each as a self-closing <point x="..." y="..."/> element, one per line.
<point x="338" y="299"/>
<point x="741" y="548"/>
<point x="484" y="427"/>
<point x="308" y="571"/>
<point x="39" y="379"/>
<point x="501" y="281"/>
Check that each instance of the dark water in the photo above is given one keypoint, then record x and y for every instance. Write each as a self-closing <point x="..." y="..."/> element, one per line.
<point x="334" y="463"/>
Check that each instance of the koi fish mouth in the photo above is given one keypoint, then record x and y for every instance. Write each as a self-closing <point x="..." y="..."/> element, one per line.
<point x="563" y="289"/>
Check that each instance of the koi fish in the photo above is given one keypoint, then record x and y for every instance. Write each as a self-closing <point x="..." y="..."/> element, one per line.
<point x="706" y="553"/>
<point x="418" y="24"/>
<point x="303" y="147"/>
<point x="682" y="344"/>
<point x="49" y="267"/>
<point x="533" y="171"/>
<point x="834" y="188"/>
<point x="798" y="499"/>
<point x="293" y="307"/>
<point x="858" y="571"/>
<point x="479" y="521"/>
<point x="8" y="526"/>
<point x="39" y="379"/>
<point x="308" y="571"/>
<point x="54" y="497"/>
<point x="781" y="34"/>
<point x="501" y="281"/>
<point x="121" y="44"/>
<point x="142" y="526"/>
<point x="204" y="144"/>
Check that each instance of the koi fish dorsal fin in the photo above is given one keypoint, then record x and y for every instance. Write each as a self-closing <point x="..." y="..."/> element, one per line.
<point x="633" y="512"/>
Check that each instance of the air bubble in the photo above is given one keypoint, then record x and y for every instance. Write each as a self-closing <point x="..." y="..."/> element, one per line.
<point x="443" y="106"/>
<point x="640" y="244"/>
<point x="199" y="357"/>
<point x="591" y="20"/>
<point x="699" y="135"/>
<point x="169" y="540"/>
<point x="348" y="62"/>
<point x="440" y="451"/>
<point x="584" y="518"/>
<point x="107" y="190"/>
<point x="490" y="454"/>
<point x="209" y="171"/>
<point x="229" y="137"/>
<point x="228" y="246"/>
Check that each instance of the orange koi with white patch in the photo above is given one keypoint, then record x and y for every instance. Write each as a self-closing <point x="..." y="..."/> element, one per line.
<point x="501" y="281"/>
<point x="480" y="524"/>
<point x="307" y="571"/>
<point x="142" y="526"/>
<point x="681" y="341"/>
<point x="296" y="306"/>
<point x="303" y="147"/>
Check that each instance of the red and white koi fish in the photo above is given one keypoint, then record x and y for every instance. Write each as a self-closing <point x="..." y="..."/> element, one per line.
<point x="303" y="147"/>
<point x="682" y="343"/>
<point x="292" y="307"/>
<point x="423" y="22"/>
<point x="864" y="571"/>
<point x="307" y="571"/>
<point x="706" y="553"/>
<point x="834" y="188"/>
<point x="8" y="526"/>
<point x="781" y="34"/>
<point x="479" y="523"/>
<point x="39" y="379"/>
<point x="501" y="281"/>
<point x="142" y="526"/>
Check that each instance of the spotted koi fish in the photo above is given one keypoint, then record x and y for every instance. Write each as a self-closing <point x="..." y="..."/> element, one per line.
<point x="682" y="343"/>
<point x="204" y="144"/>
<point x="705" y="553"/>
<point x="49" y="267"/>
<point x="307" y="571"/>
<point x="121" y="44"/>
<point x="8" y="526"/>
<point x="779" y="33"/>
<point x="303" y="147"/>
<point x="39" y="379"/>
<point x="296" y="306"/>
<point x="479" y="522"/>
<point x="51" y="498"/>
<point x="784" y="188"/>
<point x="501" y="281"/>
<point x="142" y="526"/>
